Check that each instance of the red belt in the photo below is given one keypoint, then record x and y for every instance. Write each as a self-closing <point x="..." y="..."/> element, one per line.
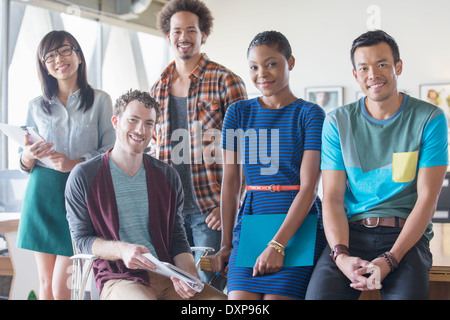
<point x="273" y="188"/>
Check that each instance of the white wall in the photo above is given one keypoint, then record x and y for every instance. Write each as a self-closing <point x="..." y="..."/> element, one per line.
<point x="321" y="33"/>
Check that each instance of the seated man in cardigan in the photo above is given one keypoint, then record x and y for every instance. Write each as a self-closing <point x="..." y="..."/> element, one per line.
<point x="124" y="204"/>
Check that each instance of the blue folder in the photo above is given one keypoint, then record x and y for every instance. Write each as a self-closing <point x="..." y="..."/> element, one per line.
<point x="258" y="230"/>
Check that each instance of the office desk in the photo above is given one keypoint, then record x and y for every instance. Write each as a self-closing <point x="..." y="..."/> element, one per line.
<point x="439" y="273"/>
<point x="20" y="264"/>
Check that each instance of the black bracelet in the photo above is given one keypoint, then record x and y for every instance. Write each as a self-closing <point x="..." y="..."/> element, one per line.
<point x="390" y="259"/>
<point x="22" y="166"/>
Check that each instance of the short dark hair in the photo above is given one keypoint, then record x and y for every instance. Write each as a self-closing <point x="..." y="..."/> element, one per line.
<point x="372" y="38"/>
<point x="272" y="39"/>
<point x="143" y="97"/>
<point x="196" y="7"/>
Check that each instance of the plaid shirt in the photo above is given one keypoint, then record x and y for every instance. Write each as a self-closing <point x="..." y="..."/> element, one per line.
<point x="212" y="90"/>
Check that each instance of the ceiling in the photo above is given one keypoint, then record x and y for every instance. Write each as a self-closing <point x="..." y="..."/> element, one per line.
<point x="133" y="14"/>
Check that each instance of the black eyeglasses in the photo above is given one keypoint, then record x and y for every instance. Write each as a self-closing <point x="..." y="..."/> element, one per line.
<point x="65" y="50"/>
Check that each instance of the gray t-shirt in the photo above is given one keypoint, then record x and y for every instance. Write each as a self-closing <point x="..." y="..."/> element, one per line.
<point x="131" y="196"/>
<point x="182" y="156"/>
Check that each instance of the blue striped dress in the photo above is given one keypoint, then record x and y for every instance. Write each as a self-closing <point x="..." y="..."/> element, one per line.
<point x="271" y="143"/>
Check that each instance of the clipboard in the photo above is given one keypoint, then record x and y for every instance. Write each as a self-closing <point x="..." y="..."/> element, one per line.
<point x="17" y="134"/>
<point x="169" y="270"/>
<point x="258" y="230"/>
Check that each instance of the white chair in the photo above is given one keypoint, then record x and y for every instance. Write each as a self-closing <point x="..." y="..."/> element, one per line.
<point x="201" y="262"/>
<point x="82" y="277"/>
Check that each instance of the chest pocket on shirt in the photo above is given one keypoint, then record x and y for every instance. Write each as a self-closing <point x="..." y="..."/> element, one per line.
<point x="404" y="166"/>
<point x="210" y="114"/>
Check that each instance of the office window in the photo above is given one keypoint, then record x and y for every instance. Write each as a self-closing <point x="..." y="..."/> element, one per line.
<point x="118" y="59"/>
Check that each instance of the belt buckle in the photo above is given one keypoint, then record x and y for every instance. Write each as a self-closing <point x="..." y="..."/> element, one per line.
<point x="272" y="188"/>
<point x="367" y="226"/>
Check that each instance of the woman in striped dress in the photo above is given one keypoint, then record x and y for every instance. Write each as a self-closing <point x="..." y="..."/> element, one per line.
<point x="280" y="142"/>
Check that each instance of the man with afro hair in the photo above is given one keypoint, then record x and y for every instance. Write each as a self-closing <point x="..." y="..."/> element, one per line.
<point x="194" y="94"/>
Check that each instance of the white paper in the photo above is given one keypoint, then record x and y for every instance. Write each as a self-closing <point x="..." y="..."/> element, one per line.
<point x="17" y="134"/>
<point x="169" y="270"/>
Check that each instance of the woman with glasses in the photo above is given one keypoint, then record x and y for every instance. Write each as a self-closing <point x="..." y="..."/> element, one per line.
<point x="74" y="121"/>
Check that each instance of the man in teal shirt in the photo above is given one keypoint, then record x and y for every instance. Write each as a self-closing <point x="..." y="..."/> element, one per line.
<point x="384" y="159"/>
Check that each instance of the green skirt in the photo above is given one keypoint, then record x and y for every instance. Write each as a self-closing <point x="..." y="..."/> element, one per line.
<point x="43" y="226"/>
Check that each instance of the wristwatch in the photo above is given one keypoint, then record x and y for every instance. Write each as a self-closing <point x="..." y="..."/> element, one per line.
<point x="337" y="250"/>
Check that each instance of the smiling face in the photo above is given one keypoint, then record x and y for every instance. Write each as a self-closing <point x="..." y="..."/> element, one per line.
<point x="376" y="72"/>
<point x="63" y="68"/>
<point x="134" y="127"/>
<point x="269" y="70"/>
<point x="185" y="36"/>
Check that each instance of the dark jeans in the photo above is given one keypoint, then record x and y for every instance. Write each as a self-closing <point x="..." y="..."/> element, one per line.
<point x="408" y="282"/>
<point x="199" y="234"/>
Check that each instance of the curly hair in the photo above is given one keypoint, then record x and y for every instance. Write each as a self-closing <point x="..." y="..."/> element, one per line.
<point x="196" y="7"/>
<point x="143" y="97"/>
